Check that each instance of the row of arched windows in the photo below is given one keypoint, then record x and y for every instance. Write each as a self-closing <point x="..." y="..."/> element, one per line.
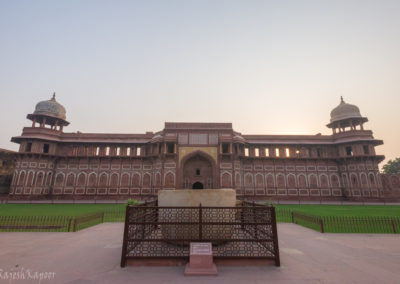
<point x="114" y="180"/>
<point x="32" y="178"/>
<point x="298" y="181"/>
<point x="42" y="178"/>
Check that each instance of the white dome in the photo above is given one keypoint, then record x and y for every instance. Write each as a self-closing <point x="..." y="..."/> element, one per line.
<point x="345" y="111"/>
<point x="51" y="108"/>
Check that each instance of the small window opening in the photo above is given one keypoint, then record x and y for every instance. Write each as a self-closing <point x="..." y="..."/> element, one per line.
<point x="170" y="148"/>
<point x="349" y="151"/>
<point x="118" y="151"/>
<point x="28" y="147"/>
<point x="225" y="148"/>
<point x="318" y="152"/>
<point x="46" y="148"/>
<point x="266" y="152"/>
<point x="297" y="151"/>
<point x="277" y="152"/>
<point x="128" y="151"/>
<point x="287" y="152"/>
<point x="366" y="149"/>
<point x="107" y="151"/>
<point x="246" y="152"/>
<point x="197" y="172"/>
<point x="138" y="151"/>
<point x="257" y="152"/>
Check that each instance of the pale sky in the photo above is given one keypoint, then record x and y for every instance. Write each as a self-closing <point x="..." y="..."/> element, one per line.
<point x="269" y="67"/>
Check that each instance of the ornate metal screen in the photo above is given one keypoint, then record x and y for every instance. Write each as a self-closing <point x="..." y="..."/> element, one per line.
<point x="247" y="231"/>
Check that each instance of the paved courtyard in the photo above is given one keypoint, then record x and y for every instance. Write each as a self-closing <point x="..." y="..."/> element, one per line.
<point x="93" y="256"/>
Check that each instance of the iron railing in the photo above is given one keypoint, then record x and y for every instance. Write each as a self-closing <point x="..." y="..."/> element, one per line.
<point x="347" y="224"/>
<point x="35" y="223"/>
<point x="247" y="231"/>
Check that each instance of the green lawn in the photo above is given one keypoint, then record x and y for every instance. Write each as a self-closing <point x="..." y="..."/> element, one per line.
<point x="336" y="218"/>
<point x="345" y="210"/>
<point x="81" y="209"/>
<point x="56" y="209"/>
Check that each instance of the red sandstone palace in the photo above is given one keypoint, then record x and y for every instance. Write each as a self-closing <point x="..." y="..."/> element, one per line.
<point x="56" y="165"/>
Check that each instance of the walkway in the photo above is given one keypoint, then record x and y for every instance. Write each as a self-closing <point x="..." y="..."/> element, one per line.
<point x="93" y="256"/>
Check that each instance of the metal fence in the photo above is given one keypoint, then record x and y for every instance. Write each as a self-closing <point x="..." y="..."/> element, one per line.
<point x="309" y="221"/>
<point x="49" y="223"/>
<point x="347" y="224"/>
<point x="115" y="215"/>
<point x="35" y="223"/>
<point x="248" y="231"/>
<point x="83" y="222"/>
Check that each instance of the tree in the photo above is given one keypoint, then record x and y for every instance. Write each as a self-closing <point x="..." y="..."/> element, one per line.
<point x="392" y="167"/>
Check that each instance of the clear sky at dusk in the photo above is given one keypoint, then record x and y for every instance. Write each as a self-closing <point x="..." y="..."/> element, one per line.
<point x="269" y="67"/>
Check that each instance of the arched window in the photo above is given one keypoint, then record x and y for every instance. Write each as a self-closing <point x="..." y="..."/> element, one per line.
<point x="335" y="181"/>
<point x="21" y="179"/>
<point x="136" y="180"/>
<point x="125" y="180"/>
<point x="70" y="180"/>
<point x="103" y="180"/>
<point x="313" y="181"/>
<point x="39" y="179"/>
<point x="372" y="179"/>
<point x="364" y="180"/>
<point x="169" y="180"/>
<point x="114" y="180"/>
<point x="29" y="182"/>
<point x="92" y="180"/>
<point x="324" y="181"/>
<point x="248" y="180"/>
<point x="302" y="181"/>
<point x="280" y="181"/>
<point x="259" y="180"/>
<point x="345" y="181"/>
<point x="354" y="181"/>
<point x="81" y="179"/>
<point x="146" y="180"/>
<point x="291" y="181"/>
<point x="48" y="180"/>
<point x="270" y="181"/>
<point x="59" y="180"/>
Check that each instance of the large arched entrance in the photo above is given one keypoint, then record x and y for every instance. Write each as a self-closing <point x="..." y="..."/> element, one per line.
<point x="197" y="185"/>
<point x="198" y="172"/>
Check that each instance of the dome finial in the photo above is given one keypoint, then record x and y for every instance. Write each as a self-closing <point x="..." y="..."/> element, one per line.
<point x="341" y="99"/>
<point x="54" y="96"/>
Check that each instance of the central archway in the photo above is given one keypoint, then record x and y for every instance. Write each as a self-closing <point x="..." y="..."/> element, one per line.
<point x="197" y="185"/>
<point x="198" y="171"/>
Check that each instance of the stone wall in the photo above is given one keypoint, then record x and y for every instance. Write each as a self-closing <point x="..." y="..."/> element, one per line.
<point x="391" y="185"/>
<point x="105" y="177"/>
<point x="6" y="170"/>
<point x="119" y="178"/>
<point x="302" y="180"/>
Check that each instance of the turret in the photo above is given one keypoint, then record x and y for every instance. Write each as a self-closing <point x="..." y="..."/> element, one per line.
<point x="346" y="117"/>
<point x="49" y="113"/>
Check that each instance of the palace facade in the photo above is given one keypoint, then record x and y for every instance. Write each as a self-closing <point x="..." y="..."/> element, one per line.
<point x="55" y="164"/>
